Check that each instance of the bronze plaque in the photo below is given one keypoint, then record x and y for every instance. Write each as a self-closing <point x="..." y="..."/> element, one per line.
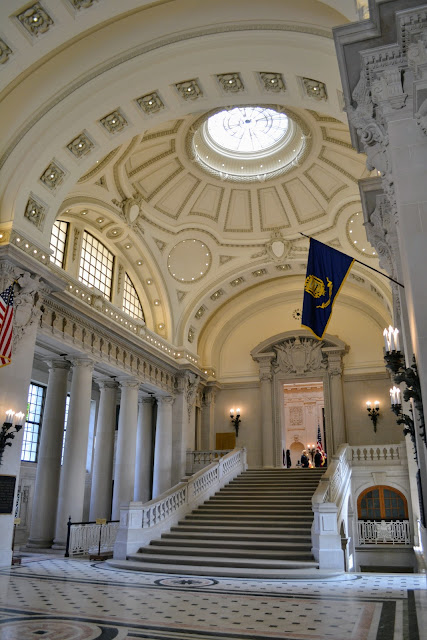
<point x="7" y="494"/>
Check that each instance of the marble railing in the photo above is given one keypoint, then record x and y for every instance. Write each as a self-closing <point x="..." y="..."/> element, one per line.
<point x="329" y="502"/>
<point x="88" y="537"/>
<point x="389" y="453"/>
<point x="140" y="523"/>
<point x="197" y="460"/>
<point x="382" y="532"/>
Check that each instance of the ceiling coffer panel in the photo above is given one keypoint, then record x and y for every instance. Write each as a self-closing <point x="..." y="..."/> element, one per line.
<point x="271" y="210"/>
<point x="208" y="203"/>
<point x="176" y="196"/>
<point x="239" y="211"/>
<point x="157" y="177"/>
<point x="304" y="204"/>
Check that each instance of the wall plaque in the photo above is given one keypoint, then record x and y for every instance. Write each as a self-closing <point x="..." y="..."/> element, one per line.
<point x="7" y="493"/>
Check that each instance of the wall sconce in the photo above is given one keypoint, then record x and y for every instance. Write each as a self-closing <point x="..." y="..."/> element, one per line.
<point x="373" y="412"/>
<point x="235" y="419"/>
<point x="6" y="432"/>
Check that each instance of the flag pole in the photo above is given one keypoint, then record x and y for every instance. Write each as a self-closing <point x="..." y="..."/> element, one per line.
<point x="363" y="264"/>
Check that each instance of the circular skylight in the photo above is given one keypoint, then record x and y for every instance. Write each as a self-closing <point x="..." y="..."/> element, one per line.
<point x="247" y="130"/>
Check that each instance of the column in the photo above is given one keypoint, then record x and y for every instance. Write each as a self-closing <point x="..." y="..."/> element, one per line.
<point x="339" y="434"/>
<point x="124" y="470"/>
<point x="207" y="429"/>
<point x="163" y="446"/>
<point x="15" y="379"/>
<point x="45" y="502"/>
<point x="144" y="450"/>
<point x="102" y="472"/>
<point x="265" y="376"/>
<point x="72" y="483"/>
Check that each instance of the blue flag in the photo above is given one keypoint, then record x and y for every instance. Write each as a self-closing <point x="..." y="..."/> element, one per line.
<point x="327" y="270"/>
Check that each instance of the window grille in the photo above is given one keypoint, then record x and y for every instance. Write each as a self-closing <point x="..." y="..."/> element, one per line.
<point x="131" y="302"/>
<point x="96" y="265"/>
<point x="58" y="240"/>
<point x="30" y="444"/>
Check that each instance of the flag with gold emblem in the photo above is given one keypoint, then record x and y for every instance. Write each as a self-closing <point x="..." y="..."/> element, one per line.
<point x="327" y="270"/>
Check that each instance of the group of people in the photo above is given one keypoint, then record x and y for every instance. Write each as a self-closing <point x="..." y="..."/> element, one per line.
<point x="305" y="462"/>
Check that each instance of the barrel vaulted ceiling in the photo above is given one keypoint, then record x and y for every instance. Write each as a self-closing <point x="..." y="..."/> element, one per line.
<point x="102" y="105"/>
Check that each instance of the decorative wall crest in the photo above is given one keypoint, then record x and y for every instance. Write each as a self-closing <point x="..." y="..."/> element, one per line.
<point x="150" y="103"/>
<point x="277" y="247"/>
<point x="35" y="19"/>
<point x="189" y="90"/>
<point x="114" y="121"/>
<point x="35" y="212"/>
<point x="272" y="82"/>
<point x="230" y="82"/>
<point x="81" y="145"/>
<point x="52" y="176"/>
<point x="314" y="89"/>
<point x="299" y="355"/>
<point x="5" y="52"/>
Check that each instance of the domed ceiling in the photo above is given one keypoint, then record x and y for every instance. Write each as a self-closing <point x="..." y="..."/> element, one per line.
<point x="196" y="235"/>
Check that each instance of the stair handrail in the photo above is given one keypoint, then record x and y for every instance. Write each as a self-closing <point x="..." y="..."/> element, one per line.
<point x="142" y="522"/>
<point x="329" y="502"/>
<point x="336" y="479"/>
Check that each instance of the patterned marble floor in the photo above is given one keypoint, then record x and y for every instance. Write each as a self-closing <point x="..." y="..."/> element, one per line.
<point x="58" y="599"/>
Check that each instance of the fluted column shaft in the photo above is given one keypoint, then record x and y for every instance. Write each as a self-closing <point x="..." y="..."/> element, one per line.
<point x="124" y="470"/>
<point x="265" y="376"/>
<point x="102" y="472"/>
<point x="72" y="483"/>
<point x="42" y="529"/>
<point x="144" y="451"/>
<point x="337" y="398"/>
<point x="162" y="471"/>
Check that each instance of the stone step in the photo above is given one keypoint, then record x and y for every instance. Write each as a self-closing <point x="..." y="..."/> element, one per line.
<point x="226" y="527"/>
<point x="290" y="570"/>
<point x="226" y="543"/>
<point x="226" y="553"/>
<point x="219" y="561"/>
<point x="243" y="518"/>
<point x="238" y="535"/>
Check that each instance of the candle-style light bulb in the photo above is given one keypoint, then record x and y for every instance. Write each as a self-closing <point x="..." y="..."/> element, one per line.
<point x="231" y="412"/>
<point x="368" y="404"/>
<point x="377" y="404"/>
<point x="9" y="416"/>
<point x="238" y="411"/>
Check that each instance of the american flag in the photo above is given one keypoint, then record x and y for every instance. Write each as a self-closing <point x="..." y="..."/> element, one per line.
<point x="6" y="318"/>
<point x="319" y="445"/>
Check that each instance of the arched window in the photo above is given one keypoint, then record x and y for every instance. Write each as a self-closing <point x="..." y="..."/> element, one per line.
<point x="96" y="265"/>
<point x="382" y="503"/>
<point x="131" y="302"/>
<point x="58" y="240"/>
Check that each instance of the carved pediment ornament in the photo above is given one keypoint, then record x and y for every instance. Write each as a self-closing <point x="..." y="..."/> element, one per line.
<point x="299" y="355"/>
<point x="277" y="247"/>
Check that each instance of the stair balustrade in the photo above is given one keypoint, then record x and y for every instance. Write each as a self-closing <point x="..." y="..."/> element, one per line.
<point x="197" y="460"/>
<point x="140" y="523"/>
<point x="329" y="503"/>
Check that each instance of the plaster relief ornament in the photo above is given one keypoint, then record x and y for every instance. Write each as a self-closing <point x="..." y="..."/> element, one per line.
<point x="272" y="82"/>
<point x="150" y="103"/>
<point x="5" y="52"/>
<point x="35" y="19"/>
<point x="114" y="122"/>
<point x="35" y="212"/>
<point x="27" y="307"/>
<point x="189" y="90"/>
<point x="81" y="145"/>
<point x="299" y="355"/>
<point x="277" y="247"/>
<point x="230" y="82"/>
<point x="53" y="176"/>
<point x="82" y="4"/>
<point x="315" y="89"/>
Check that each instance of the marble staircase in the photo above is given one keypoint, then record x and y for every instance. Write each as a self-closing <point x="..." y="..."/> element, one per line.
<point x="257" y="525"/>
